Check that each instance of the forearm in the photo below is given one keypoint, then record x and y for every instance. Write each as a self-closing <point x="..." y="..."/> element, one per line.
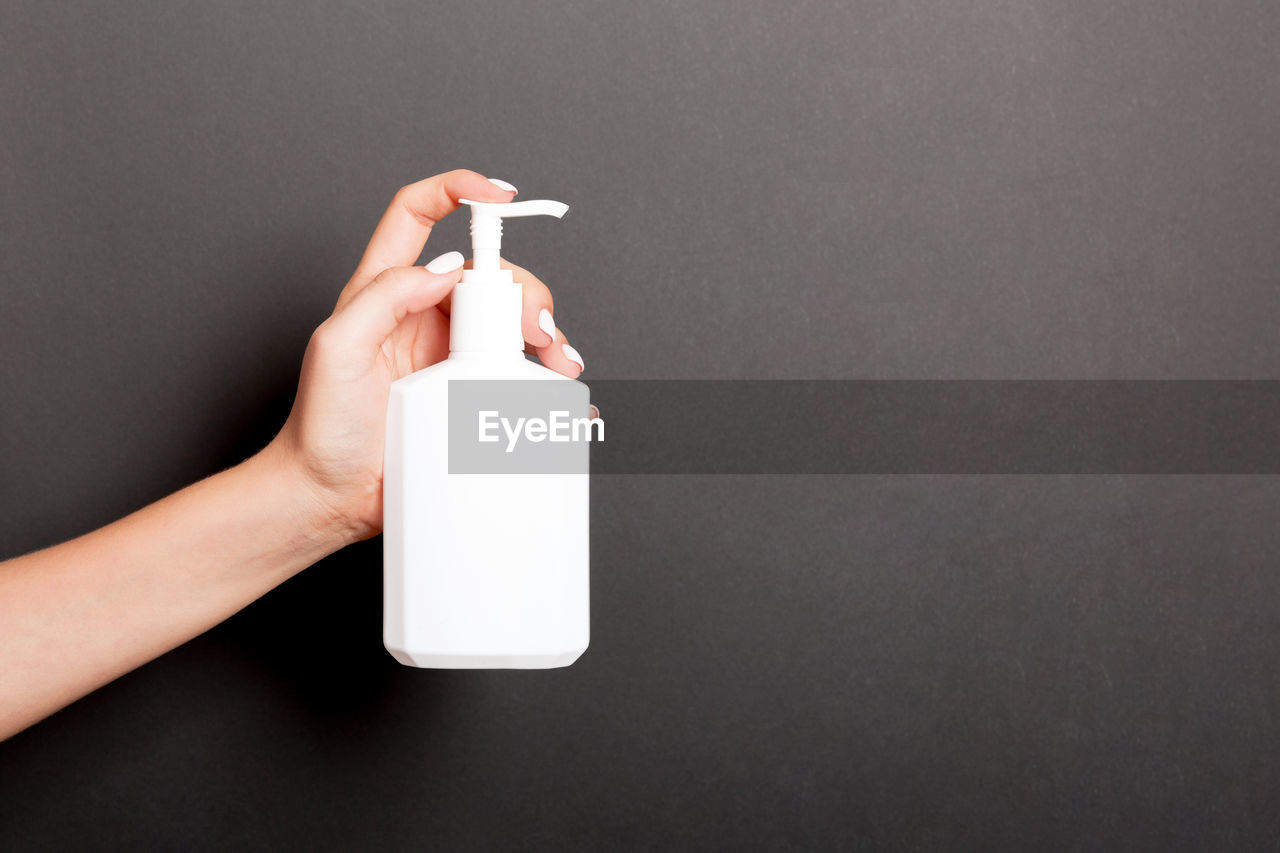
<point x="75" y="616"/>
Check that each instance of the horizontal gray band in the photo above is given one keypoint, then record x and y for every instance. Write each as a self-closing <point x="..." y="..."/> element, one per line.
<point x="937" y="427"/>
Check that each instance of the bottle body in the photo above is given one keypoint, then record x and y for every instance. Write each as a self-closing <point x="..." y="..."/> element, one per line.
<point x="481" y="571"/>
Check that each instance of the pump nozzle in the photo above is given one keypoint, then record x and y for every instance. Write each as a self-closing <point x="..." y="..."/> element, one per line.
<point x="486" y="226"/>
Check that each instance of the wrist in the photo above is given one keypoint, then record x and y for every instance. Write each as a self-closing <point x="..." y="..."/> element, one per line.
<point x="316" y="515"/>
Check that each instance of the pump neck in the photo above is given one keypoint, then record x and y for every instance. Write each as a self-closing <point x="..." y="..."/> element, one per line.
<point x="485" y="311"/>
<point x="486" y="240"/>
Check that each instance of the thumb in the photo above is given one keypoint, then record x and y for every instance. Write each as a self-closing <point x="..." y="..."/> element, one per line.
<point x="375" y="312"/>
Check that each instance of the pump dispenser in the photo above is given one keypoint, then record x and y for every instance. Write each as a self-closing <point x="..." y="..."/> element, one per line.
<point x="487" y="302"/>
<point x="486" y="569"/>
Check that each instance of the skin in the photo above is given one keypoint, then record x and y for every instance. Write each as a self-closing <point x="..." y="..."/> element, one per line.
<point x="82" y="613"/>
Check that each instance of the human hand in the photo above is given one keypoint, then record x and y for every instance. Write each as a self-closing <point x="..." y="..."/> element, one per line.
<point x="391" y="320"/>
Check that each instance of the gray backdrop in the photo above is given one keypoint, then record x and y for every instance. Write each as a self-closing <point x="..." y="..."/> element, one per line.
<point x="972" y="189"/>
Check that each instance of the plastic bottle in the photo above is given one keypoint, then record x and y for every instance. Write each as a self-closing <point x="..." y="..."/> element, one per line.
<point x="481" y="570"/>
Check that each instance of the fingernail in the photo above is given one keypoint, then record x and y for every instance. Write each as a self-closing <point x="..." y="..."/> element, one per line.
<point x="448" y="262"/>
<point x="572" y="354"/>
<point x="595" y="413"/>
<point x="548" y="325"/>
<point x="503" y="185"/>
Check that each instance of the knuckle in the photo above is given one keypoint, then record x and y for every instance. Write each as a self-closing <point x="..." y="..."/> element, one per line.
<point x="322" y="338"/>
<point x="539" y="292"/>
<point x="404" y="200"/>
<point x="326" y="332"/>
<point x="392" y="280"/>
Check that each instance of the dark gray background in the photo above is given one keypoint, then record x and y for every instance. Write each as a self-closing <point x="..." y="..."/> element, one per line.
<point x="973" y="189"/>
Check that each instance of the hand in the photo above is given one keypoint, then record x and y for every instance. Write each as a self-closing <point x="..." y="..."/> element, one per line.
<point x="391" y="320"/>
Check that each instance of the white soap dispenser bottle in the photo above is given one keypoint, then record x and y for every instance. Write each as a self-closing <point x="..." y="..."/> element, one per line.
<point x="481" y="570"/>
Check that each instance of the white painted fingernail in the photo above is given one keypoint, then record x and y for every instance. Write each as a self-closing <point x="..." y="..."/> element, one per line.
<point x="548" y="325"/>
<point x="572" y="354"/>
<point x="448" y="262"/>
<point x="503" y="185"/>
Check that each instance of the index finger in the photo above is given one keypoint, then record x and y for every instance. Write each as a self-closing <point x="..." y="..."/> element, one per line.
<point x="416" y="208"/>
